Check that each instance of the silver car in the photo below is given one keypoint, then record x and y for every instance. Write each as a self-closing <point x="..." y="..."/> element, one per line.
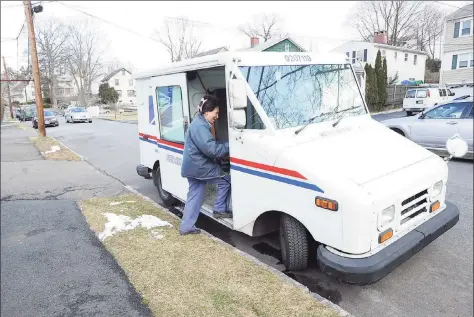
<point x="434" y="126"/>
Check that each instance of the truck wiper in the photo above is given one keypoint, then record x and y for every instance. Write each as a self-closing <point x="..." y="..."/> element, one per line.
<point x="342" y="116"/>
<point x="311" y="120"/>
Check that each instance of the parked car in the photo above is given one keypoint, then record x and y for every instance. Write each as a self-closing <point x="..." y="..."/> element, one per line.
<point x="50" y="119"/>
<point x="432" y="128"/>
<point x="422" y="98"/>
<point x="78" y="114"/>
<point x="26" y="113"/>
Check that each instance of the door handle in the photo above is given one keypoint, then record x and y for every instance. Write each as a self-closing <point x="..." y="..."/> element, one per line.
<point x="451" y="122"/>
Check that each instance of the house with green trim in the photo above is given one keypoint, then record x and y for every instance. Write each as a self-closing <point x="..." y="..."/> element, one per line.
<point x="285" y="44"/>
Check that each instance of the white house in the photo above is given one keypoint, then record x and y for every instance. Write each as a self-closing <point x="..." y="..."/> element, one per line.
<point x="409" y="64"/>
<point x="457" y="62"/>
<point x="121" y="80"/>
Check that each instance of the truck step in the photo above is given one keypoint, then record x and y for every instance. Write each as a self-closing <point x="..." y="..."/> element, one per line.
<point x="228" y="222"/>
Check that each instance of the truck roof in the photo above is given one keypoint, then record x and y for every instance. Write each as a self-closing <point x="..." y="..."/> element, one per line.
<point x="246" y="59"/>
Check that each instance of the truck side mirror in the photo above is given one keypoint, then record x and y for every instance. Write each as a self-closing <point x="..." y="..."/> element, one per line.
<point x="238" y="93"/>
<point x="239" y="119"/>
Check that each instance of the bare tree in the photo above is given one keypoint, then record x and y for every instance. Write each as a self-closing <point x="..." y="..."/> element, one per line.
<point x="428" y="29"/>
<point x="178" y="38"/>
<point x="396" y="17"/>
<point x="264" y="26"/>
<point x="51" y="40"/>
<point x="84" y="57"/>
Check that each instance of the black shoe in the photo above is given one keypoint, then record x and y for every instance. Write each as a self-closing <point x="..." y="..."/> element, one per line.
<point x="219" y="215"/>
<point x="194" y="231"/>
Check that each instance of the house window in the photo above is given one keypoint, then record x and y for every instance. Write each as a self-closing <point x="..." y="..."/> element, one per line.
<point x="383" y="53"/>
<point x="117" y="82"/>
<point x="466" y="27"/>
<point x="287" y="47"/>
<point x="414" y="59"/>
<point x="119" y="92"/>
<point x="396" y="55"/>
<point x="463" y="60"/>
<point x="131" y="93"/>
<point x="170" y="113"/>
<point x="463" y="28"/>
<point x="406" y="57"/>
<point x="360" y="55"/>
<point x="123" y="73"/>
<point x="130" y="82"/>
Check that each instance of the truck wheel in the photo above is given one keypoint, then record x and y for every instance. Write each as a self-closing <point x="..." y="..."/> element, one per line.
<point x="409" y="113"/>
<point x="166" y="197"/>
<point x="293" y="243"/>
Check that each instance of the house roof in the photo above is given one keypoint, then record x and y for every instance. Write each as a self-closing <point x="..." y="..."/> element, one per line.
<point x="214" y="51"/>
<point x="463" y="12"/>
<point x="265" y="45"/>
<point x="112" y="74"/>
<point x="400" y="48"/>
<point x="386" y="46"/>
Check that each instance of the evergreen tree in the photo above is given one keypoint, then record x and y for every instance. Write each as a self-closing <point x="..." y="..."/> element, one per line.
<point x="371" y="93"/>
<point x="380" y="87"/>
<point x="383" y="93"/>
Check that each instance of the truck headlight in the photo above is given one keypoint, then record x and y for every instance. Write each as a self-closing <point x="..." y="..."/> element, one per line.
<point x="436" y="190"/>
<point x="386" y="217"/>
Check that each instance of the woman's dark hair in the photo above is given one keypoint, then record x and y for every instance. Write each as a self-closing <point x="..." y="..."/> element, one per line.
<point x="208" y="103"/>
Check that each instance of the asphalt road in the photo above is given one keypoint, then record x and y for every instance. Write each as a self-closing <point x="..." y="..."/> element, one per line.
<point x="435" y="282"/>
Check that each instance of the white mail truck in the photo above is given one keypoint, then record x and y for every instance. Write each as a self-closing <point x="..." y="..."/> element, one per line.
<point x="306" y="159"/>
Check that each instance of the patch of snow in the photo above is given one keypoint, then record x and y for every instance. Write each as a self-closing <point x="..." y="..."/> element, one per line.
<point x="117" y="223"/>
<point x="54" y="148"/>
<point x="157" y="234"/>
<point x="115" y="203"/>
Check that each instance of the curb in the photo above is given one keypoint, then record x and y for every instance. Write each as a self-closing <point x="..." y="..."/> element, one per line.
<point x="388" y="111"/>
<point x="280" y="275"/>
<point x="120" y="121"/>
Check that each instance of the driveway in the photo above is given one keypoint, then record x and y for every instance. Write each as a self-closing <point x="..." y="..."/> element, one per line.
<point x="435" y="282"/>
<point x="52" y="264"/>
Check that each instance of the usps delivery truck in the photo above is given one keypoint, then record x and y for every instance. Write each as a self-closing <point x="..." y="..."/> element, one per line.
<point x="306" y="159"/>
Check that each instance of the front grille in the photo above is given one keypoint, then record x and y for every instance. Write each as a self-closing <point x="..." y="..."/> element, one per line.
<point x="414" y="206"/>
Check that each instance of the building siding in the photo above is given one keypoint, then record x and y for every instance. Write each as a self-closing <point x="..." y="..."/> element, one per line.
<point x="280" y="47"/>
<point x="457" y="76"/>
<point x="405" y="70"/>
<point x="455" y="44"/>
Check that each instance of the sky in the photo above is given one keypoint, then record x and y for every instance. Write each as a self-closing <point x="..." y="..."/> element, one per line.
<point x="317" y="25"/>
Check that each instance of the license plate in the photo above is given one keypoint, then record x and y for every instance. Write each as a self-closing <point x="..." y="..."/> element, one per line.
<point x="419" y="102"/>
<point x="47" y="122"/>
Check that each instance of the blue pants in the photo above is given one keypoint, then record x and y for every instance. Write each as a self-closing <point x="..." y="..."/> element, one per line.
<point x="197" y="190"/>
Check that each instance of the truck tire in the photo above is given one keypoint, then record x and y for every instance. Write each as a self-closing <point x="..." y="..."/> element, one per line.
<point x="166" y="198"/>
<point x="293" y="243"/>
<point x="409" y="113"/>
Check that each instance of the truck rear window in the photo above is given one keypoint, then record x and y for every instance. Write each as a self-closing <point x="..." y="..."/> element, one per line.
<point x="421" y="93"/>
<point x="410" y="94"/>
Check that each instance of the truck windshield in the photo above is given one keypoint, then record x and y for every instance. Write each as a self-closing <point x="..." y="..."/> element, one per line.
<point x="291" y="95"/>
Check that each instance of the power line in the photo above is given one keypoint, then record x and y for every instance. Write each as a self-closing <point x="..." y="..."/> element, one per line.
<point x="453" y="6"/>
<point x="108" y="22"/>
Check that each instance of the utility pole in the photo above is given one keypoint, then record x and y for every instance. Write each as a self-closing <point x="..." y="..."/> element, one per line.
<point x="8" y="89"/>
<point x="34" y="58"/>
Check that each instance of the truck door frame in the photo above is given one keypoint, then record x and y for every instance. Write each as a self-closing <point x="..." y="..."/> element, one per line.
<point x="170" y="151"/>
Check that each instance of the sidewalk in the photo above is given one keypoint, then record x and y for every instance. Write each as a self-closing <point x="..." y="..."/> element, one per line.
<point x="52" y="263"/>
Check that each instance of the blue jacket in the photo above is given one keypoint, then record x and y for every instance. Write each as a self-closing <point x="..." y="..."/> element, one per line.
<point x="200" y="150"/>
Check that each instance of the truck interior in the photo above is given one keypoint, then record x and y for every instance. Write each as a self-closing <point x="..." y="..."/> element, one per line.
<point x="212" y="81"/>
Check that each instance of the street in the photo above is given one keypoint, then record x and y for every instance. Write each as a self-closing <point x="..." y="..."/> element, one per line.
<point x="435" y="282"/>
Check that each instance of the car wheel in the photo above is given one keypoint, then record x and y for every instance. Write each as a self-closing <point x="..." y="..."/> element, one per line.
<point x="398" y="131"/>
<point x="409" y="113"/>
<point x="293" y="243"/>
<point x="166" y="198"/>
<point x="90" y="121"/>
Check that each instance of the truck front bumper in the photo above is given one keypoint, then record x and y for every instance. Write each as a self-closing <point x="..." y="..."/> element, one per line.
<point x="371" y="269"/>
<point x="143" y="171"/>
